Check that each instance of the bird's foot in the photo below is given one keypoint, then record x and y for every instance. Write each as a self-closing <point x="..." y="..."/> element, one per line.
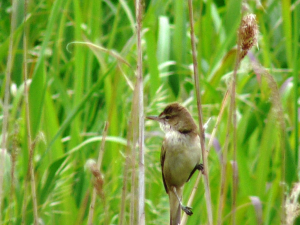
<point x="187" y="210"/>
<point x="200" y="167"/>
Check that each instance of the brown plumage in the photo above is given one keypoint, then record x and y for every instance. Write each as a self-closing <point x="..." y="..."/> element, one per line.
<point x="180" y="155"/>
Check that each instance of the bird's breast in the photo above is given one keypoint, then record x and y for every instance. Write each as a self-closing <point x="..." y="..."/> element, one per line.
<point x="182" y="155"/>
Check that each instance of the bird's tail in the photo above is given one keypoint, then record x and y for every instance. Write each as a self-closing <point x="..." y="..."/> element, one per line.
<point x="175" y="209"/>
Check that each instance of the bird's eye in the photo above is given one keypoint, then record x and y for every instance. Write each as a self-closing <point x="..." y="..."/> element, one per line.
<point x="168" y="117"/>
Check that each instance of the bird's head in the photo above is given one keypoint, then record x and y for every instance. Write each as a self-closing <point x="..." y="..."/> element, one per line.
<point x="175" y="118"/>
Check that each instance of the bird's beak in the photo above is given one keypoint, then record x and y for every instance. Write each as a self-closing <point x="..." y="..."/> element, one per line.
<point x="156" y="118"/>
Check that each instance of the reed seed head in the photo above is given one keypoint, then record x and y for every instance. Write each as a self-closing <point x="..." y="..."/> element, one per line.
<point x="247" y="33"/>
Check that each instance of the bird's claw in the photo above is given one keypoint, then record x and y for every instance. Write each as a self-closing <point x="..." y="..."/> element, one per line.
<point x="187" y="210"/>
<point x="200" y="167"/>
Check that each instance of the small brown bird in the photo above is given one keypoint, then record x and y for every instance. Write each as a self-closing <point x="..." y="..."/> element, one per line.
<point x="180" y="155"/>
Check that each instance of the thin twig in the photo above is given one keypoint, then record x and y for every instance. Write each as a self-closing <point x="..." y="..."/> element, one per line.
<point x="99" y="161"/>
<point x="202" y="137"/>
<point x="141" y="208"/>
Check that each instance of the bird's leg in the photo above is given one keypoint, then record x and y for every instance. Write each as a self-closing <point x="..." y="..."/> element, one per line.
<point x="197" y="167"/>
<point x="186" y="209"/>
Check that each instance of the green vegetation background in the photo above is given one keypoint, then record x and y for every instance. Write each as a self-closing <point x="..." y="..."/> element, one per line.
<point x="76" y="87"/>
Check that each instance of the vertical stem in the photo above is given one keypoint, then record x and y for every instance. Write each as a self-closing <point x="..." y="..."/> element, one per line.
<point x="231" y="117"/>
<point x="6" y="106"/>
<point x="191" y="198"/>
<point x="133" y="134"/>
<point x="296" y="82"/>
<point x="12" y="174"/>
<point x="99" y="161"/>
<point x="223" y="175"/>
<point x="202" y="137"/>
<point x="141" y="209"/>
<point x="223" y="168"/>
<point x="28" y="127"/>
<point x="125" y="175"/>
<point x="233" y="113"/>
<point x="132" y="203"/>
<point x="276" y="104"/>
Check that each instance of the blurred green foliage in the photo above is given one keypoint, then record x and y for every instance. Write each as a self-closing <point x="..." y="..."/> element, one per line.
<point x="75" y="88"/>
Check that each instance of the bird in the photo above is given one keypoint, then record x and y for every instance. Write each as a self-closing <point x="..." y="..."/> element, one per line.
<point x="180" y="155"/>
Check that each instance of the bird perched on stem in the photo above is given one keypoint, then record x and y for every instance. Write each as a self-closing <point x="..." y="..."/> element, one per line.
<point x="180" y="155"/>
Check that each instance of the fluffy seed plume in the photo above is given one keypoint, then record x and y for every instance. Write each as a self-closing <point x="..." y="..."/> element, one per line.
<point x="248" y="33"/>
<point x="292" y="206"/>
<point x="98" y="180"/>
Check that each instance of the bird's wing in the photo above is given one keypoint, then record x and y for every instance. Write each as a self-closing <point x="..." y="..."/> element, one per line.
<point x="162" y="161"/>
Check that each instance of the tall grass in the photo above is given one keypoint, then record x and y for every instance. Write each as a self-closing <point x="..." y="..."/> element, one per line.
<point x="5" y="111"/>
<point x="200" y="117"/>
<point x="74" y="88"/>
